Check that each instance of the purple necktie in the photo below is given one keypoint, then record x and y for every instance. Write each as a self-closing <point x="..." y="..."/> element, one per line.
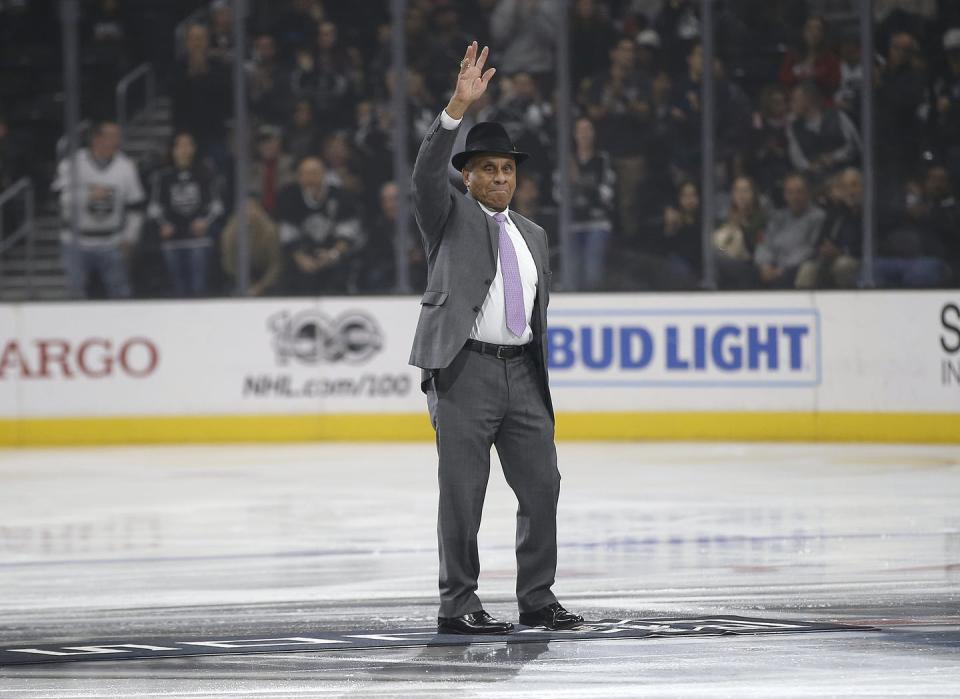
<point x="512" y="286"/>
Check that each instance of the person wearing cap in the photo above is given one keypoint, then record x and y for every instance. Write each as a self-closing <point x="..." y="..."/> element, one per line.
<point x="481" y="343"/>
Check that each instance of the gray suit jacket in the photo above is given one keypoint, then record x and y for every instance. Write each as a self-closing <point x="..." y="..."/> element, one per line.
<point x="461" y="243"/>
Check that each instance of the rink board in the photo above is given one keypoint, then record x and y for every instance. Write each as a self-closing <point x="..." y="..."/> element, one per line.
<point x="606" y="629"/>
<point x="879" y="366"/>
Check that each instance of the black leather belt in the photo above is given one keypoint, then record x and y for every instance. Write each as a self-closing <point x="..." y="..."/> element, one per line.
<point x="498" y="351"/>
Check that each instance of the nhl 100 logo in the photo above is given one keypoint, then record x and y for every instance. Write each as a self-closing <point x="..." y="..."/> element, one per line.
<point x="313" y="337"/>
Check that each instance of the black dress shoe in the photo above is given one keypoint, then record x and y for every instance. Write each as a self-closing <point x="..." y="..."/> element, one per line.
<point x="552" y="617"/>
<point x="477" y="622"/>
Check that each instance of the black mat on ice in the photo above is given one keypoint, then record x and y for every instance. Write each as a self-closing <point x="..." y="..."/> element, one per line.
<point x="132" y="648"/>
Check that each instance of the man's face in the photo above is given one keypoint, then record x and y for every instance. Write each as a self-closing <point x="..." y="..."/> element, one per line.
<point x="623" y="54"/>
<point x="901" y="49"/>
<point x="107" y="141"/>
<point x="796" y="194"/>
<point x="799" y="101"/>
<point x="388" y="200"/>
<point x="689" y="198"/>
<point x="583" y="133"/>
<point x="491" y="179"/>
<point x="327" y="36"/>
<point x="813" y="31"/>
<point x="851" y="188"/>
<point x="269" y="147"/>
<point x="311" y="173"/>
<point x="524" y="86"/>
<point x="265" y="48"/>
<point x="184" y="150"/>
<point x="302" y="114"/>
<point x="198" y="40"/>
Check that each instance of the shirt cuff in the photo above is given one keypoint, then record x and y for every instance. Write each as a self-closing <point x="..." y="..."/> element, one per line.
<point x="448" y="122"/>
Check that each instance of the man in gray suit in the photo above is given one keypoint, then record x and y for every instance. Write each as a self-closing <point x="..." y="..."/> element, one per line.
<point x="481" y="342"/>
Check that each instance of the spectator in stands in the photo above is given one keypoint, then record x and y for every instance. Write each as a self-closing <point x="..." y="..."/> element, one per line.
<point x="302" y="135"/>
<point x="900" y="92"/>
<point x="343" y="168"/>
<point x="109" y="213"/>
<point x="592" y="189"/>
<point x="420" y="113"/>
<point x="648" y="53"/>
<point x="814" y="61"/>
<point x="679" y="247"/>
<point x="221" y="31"/>
<point x="372" y="142"/>
<point x="848" y="95"/>
<point x="202" y="95"/>
<point x="528" y="119"/>
<point x="296" y="28"/>
<point x="271" y="169"/>
<point x="444" y="47"/>
<point x="184" y="203"/>
<point x="736" y="240"/>
<point x="769" y="159"/>
<point x="528" y="202"/>
<point x="319" y="230"/>
<point x="916" y="17"/>
<point x="662" y="133"/>
<point x="618" y="103"/>
<point x="678" y="25"/>
<point x="732" y="114"/>
<point x="524" y="34"/>
<point x="913" y="254"/>
<point x="591" y="36"/>
<point x="377" y="270"/>
<point x="822" y="140"/>
<point x="791" y="236"/>
<point x="331" y="76"/>
<point x="839" y="245"/>
<point x="269" y="82"/>
<point x="266" y="261"/>
<point x="946" y="108"/>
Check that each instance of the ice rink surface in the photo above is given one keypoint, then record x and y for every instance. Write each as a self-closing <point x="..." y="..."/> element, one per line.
<point x="278" y="541"/>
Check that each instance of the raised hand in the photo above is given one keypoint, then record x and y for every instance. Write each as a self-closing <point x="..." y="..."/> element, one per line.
<point x="472" y="81"/>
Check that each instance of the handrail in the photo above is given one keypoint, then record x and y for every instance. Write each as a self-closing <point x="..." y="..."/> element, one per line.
<point x="61" y="147"/>
<point x="144" y="70"/>
<point x="25" y="230"/>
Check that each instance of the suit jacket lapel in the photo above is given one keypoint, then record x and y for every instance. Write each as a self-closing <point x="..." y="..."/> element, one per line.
<point x="493" y="231"/>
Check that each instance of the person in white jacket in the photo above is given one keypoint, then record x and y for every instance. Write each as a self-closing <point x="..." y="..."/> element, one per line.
<point x="109" y="213"/>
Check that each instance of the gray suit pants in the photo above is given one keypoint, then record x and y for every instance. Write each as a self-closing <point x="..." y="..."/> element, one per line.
<point x="477" y="402"/>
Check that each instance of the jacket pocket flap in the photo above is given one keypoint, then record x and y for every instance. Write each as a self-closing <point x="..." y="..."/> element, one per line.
<point x="433" y="298"/>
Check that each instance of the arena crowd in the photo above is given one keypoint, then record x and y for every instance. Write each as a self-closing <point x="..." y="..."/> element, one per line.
<point x="323" y="202"/>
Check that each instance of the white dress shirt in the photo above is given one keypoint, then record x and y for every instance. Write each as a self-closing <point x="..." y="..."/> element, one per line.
<point x="491" y="322"/>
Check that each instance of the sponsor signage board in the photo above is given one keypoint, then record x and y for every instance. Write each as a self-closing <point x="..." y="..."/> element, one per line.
<point x="876" y="352"/>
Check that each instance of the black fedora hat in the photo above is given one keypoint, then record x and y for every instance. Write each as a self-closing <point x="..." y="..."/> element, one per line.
<point x="487" y="137"/>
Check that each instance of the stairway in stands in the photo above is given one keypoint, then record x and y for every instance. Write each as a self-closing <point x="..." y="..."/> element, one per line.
<point x="145" y="141"/>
